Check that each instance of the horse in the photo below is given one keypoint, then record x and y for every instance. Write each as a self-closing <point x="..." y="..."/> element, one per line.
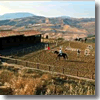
<point x="64" y="55"/>
<point x="81" y="39"/>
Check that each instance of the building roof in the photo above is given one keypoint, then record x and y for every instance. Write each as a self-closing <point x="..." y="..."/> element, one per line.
<point x="9" y="33"/>
<point x="30" y="33"/>
<point x="16" y="33"/>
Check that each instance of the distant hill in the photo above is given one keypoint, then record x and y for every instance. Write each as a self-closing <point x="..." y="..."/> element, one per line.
<point x="18" y="22"/>
<point x="88" y="26"/>
<point x="68" y="28"/>
<point x="15" y="15"/>
<point x="63" y="17"/>
<point x="84" y="25"/>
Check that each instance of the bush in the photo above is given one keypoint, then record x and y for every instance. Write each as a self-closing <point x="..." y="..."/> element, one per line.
<point x="60" y="38"/>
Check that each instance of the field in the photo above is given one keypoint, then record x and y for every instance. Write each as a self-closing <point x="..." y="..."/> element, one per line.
<point x="25" y="80"/>
<point x="85" y="65"/>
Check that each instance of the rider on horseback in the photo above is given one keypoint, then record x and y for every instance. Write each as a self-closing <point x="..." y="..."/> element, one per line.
<point x="60" y="51"/>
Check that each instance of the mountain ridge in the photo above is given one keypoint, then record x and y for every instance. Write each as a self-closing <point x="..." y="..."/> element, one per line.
<point x="58" y="23"/>
<point x="15" y="15"/>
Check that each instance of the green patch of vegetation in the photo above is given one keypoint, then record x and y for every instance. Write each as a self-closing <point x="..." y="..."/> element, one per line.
<point x="60" y="38"/>
<point x="89" y="36"/>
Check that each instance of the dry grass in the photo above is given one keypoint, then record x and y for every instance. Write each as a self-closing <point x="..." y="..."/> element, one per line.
<point x="46" y="84"/>
<point x="6" y="75"/>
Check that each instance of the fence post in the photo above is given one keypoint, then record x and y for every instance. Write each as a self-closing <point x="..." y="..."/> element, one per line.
<point x="63" y="70"/>
<point x="16" y="62"/>
<point x="77" y="71"/>
<point x="92" y="75"/>
<point x="49" y="68"/>
<point x="26" y="64"/>
<point x="53" y="70"/>
<point x="55" y="89"/>
<point x="37" y="66"/>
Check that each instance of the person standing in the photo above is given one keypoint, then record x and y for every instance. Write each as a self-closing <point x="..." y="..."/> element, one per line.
<point x="78" y="52"/>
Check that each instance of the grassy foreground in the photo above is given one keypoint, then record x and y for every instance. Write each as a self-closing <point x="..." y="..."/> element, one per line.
<point x="18" y="80"/>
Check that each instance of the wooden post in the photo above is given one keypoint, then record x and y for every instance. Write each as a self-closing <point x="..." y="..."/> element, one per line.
<point x="55" y="89"/>
<point x="16" y="62"/>
<point x="56" y="42"/>
<point x="37" y="66"/>
<point x="77" y="71"/>
<point x="49" y="68"/>
<point x="63" y="70"/>
<point x="26" y="64"/>
<point x="53" y="69"/>
<point x="69" y="44"/>
<point x="92" y="75"/>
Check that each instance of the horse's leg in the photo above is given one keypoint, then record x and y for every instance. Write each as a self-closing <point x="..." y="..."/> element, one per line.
<point x="59" y="57"/>
<point x="56" y="57"/>
<point x="66" y="56"/>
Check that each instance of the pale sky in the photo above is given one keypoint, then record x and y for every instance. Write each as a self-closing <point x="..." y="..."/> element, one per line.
<point x="77" y="9"/>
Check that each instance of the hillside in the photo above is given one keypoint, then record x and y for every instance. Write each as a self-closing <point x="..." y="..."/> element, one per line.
<point x="59" y="25"/>
<point x="89" y="26"/>
<point x="73" y="29"/>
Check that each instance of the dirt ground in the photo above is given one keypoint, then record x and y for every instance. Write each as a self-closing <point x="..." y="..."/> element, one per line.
<point x="85" y="65"/>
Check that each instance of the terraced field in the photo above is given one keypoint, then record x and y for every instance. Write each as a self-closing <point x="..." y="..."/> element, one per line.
<point x="84" y="64"/>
